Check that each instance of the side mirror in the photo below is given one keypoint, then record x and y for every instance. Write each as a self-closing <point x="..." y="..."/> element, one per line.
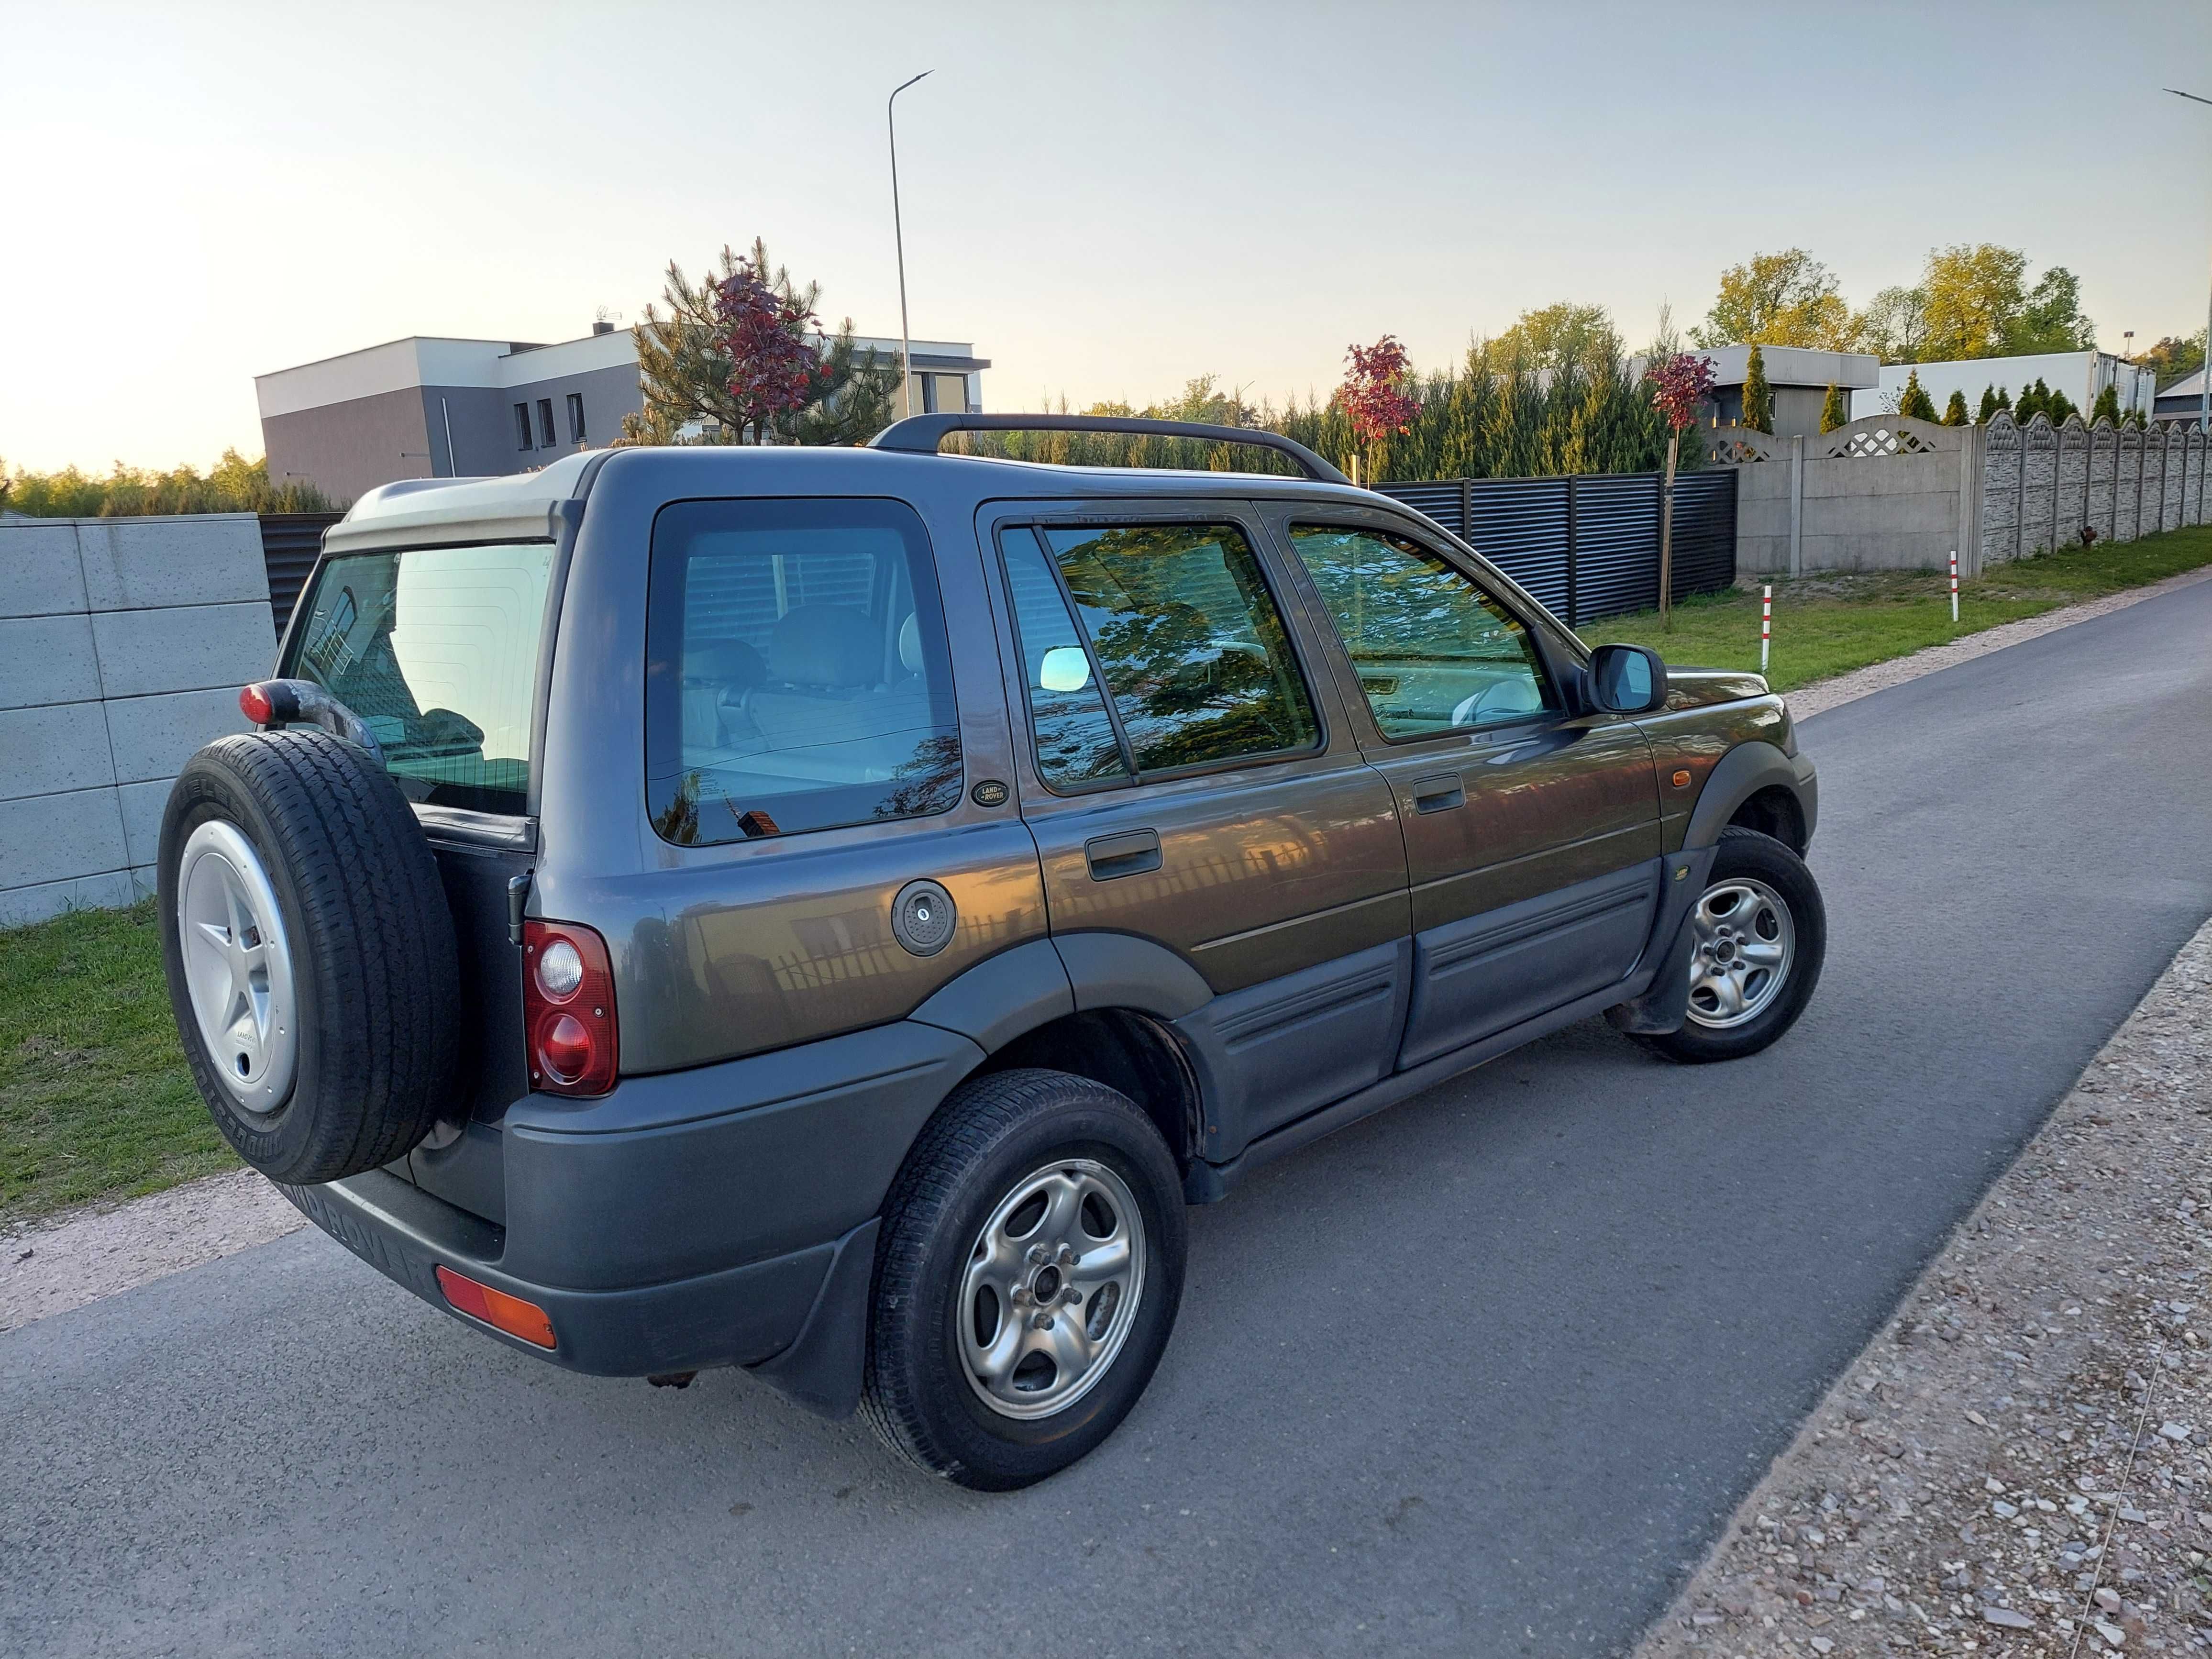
<point x="1627" y="679"/>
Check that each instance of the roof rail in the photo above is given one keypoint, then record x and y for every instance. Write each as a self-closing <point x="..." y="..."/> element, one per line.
<point x="920" y="435"/>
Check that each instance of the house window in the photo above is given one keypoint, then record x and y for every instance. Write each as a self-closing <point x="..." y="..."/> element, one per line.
<point x="522" y="426"/>
<point x="575" y="417"/>
<point x="545" y="424"/>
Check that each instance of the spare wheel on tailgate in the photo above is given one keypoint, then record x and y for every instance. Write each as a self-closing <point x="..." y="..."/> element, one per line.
<point x="310" y="953"/>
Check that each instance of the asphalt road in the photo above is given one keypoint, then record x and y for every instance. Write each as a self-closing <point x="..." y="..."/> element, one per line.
<point x="1482" y="1374"/>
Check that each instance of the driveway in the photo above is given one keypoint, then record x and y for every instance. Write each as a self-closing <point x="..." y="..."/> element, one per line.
<point x="1482" y="1374"/>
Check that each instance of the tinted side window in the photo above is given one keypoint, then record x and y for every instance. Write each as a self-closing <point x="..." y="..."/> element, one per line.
<point x="1434" y="652"/>
<point x="436" y="649"/>
<point x="1074" y="737"/>
<point x="1189" y="640"/>
<point x="796" y="672"/>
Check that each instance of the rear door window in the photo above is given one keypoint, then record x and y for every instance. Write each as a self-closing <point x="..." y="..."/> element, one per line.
<point x="796" y="671"/>
<point x="436" y="648"/>
<point x="1181" y="627"/>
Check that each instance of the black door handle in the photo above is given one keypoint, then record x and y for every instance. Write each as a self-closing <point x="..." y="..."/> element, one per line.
<point x="1439" y="793"/>
<point x="1129" y="853"/>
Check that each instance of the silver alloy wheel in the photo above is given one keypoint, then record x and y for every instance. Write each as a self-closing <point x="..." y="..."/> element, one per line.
<point x="1742" y="944"/>
<point x="238" y="967"/>
<point x="1052" y="1288"/>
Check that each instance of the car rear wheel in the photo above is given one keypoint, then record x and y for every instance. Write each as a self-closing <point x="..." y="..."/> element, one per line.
<point x="1027" y="1278"/>
<point x="1759" y="936"/>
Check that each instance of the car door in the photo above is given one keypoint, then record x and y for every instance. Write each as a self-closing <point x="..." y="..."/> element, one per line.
<point x="1191" y="782"/>
<point x="1531" y="826"/>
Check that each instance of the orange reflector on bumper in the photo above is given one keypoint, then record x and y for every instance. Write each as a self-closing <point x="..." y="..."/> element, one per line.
<point x="497" y="1309"/>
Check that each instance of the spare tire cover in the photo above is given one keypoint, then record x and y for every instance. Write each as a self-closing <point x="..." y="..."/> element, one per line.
<point x="310" y="954"/>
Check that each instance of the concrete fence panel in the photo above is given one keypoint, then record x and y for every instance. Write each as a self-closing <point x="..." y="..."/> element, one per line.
<point x="122" y="642"/>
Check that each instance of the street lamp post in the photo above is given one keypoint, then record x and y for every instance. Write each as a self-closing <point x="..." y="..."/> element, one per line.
<point x="2204" y="379"/>
<point x="898" y="240"/>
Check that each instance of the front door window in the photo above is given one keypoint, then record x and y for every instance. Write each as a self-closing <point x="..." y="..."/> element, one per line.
<point x="1433" y="651"/>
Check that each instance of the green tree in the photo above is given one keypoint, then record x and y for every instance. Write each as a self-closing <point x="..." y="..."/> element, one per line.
<point x="2056" y="406"/>
<point x="1835" y="409"/>
<point x="685" y="375"/>
<point x="2108" y="406"/>
<point x="1954" y="412"/>
<point x="233" y="484"/>
<point x="1788" y="299"/>
<point x="1975" y="295"/>
<point x="1758" y="397"/>
<point x="1564" y="335"/>
<point x="2034" y="400"/>
<point x="1894" y="325"/>
<point x="2004" y="400"/>
<point x="1990" y="403"/>
<point x="2173" y="359"/>
<point x="1914" y="401"/>
<point x="2050" y="318"/>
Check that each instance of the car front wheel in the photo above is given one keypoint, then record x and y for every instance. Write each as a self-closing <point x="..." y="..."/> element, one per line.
<point x="1759" y="936"/>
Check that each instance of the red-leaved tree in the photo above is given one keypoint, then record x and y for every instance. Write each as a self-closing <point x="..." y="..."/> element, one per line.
<point x="762" y="328"/>
<point x="1681" y="383"/>
<point x="1374" y="393"/>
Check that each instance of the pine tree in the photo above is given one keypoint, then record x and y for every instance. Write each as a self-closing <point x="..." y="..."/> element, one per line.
<point x="1834" y="411"/>
<point x="2056" y="406"/>
<point x="2031" y="403"/>
<point x="685" y="373"/>
<point x="1758" y="397"/>
<point x="1914" y="402"/>
<point x="1954" y="412"/>
<point x="2108" y="406"/>
<point x="1991" y="405"/>
<point x="2004" y="400"/>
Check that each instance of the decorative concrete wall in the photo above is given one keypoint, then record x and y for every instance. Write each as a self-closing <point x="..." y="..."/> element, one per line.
<point x="2042" y="486"/>
<point x="122" y="643"/>
<point x="1890" y="492"/>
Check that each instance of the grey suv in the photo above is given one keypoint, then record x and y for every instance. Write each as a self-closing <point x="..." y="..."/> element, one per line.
<point x="828" y="911"/>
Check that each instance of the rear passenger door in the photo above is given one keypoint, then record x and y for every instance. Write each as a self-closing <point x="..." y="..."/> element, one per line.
<point x="1191" y="782"/>
<point x="1532" y="829"/>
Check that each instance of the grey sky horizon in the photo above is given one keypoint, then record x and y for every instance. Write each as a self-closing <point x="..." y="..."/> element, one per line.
<point x="1107" y="202"/>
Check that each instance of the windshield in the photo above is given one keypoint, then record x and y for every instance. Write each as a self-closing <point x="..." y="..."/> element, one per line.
<point x="436" y="649"/>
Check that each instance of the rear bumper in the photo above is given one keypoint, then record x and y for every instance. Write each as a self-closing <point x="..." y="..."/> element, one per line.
<point x="739" y="1316"/>
<point x="709" y="1217"/>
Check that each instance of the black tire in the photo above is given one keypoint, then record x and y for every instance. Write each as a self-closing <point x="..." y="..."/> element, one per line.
<point x="992" y="1133"/>
<point x="375" y="974"/>
<point x="1748" y="855"/>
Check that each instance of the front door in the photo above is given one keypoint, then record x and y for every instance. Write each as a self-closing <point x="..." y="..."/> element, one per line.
<point x="1191" y="782"/>
<point x="1532" y="831"/>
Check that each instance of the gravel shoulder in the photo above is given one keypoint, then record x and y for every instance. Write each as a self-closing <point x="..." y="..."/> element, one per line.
<point x="53" y="1265"/>
<point x="2017" y="1462"/>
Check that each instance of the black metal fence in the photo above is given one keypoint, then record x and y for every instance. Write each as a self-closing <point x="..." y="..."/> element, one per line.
<point x="289" y="542"/>
<point x="1588" y="546"/>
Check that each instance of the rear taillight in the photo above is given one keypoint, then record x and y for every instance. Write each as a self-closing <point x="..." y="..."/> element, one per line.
<point x="568" y="1008"/>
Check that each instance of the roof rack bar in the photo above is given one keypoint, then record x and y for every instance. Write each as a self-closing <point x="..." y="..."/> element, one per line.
<point x="920" y="435"/>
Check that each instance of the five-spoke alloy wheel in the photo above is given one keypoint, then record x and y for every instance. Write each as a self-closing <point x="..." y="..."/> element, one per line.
<point x="1758" y="934"/>
<point x="1027" y="1276"/>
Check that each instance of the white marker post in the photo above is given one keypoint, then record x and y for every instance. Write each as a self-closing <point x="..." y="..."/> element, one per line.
<point x="1954" y="587"/>
<point x="1766" y="623"/>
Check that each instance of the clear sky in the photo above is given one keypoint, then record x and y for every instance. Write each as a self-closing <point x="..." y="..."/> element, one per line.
<point x="1107" y="199"/>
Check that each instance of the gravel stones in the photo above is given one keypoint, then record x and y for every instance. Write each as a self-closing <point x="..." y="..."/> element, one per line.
<point x="2014" y="1464"/>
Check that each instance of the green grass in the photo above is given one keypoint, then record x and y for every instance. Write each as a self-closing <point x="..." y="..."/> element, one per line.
<point x="1830" y="623"/>
<point x="95" y="1098"/>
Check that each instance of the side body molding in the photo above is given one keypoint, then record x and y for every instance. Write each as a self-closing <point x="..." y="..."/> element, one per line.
<point x="1742" y="773"/>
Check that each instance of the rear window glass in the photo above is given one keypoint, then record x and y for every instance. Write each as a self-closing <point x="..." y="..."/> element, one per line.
<point x="796" y="672"/>
<point x="436" y="649"/>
